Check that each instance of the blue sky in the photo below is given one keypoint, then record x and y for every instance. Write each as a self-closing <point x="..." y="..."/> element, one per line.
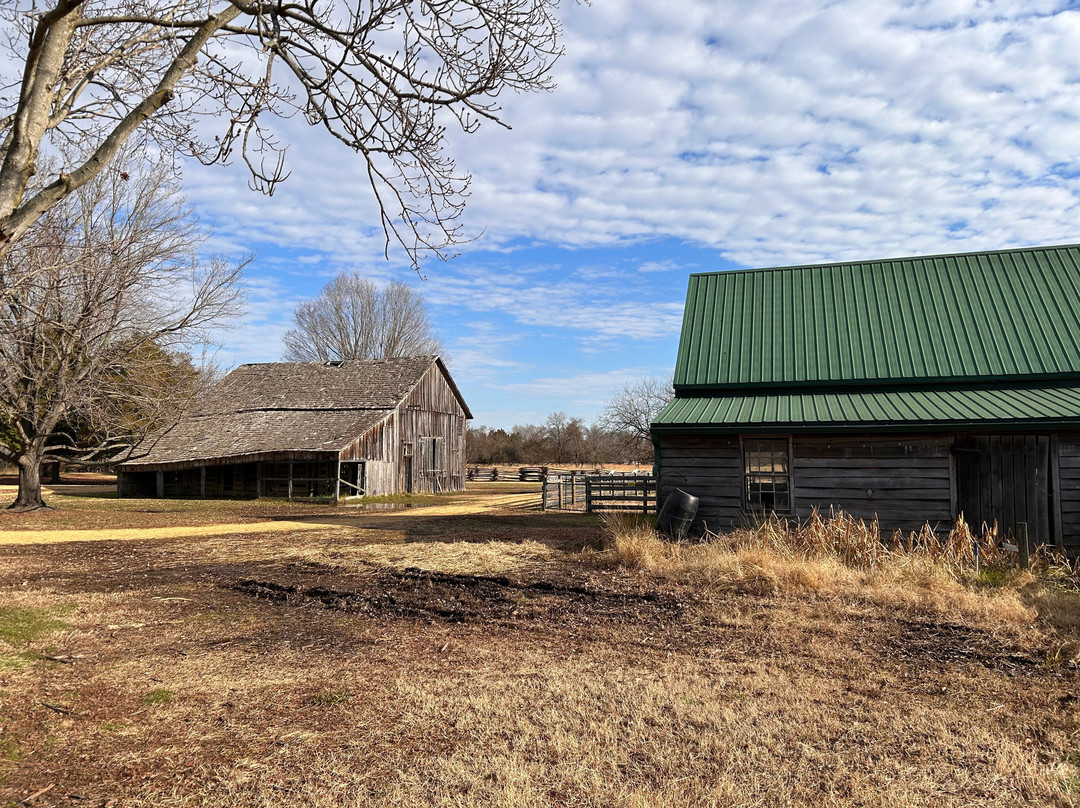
<point x="688" y="136"/>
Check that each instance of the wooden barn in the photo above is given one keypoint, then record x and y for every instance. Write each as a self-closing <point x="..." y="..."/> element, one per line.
<point x="311" y="430"/>
<point x="910" y="390"/>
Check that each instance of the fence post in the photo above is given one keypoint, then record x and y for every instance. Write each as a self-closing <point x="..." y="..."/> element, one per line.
<point x="1022" y="544"/>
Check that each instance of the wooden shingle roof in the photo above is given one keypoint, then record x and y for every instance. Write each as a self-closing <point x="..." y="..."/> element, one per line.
<point x="355" y="384"/>
<point x="267" y="408"/>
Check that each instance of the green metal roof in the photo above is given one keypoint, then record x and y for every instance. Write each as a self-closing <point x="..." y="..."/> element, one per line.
<point x="949" y="408"/>
<point x="945" y="318"/>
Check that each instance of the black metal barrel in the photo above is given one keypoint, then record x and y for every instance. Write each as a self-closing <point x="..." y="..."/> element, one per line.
<point x="677" y="513"/>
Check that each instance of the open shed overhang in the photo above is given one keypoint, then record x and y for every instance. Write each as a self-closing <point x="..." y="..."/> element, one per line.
<point x="300" y="456"/>
<point x="1029" y="407"/>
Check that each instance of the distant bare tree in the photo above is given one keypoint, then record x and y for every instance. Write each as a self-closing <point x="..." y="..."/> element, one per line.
<point x="101" y="293"/>
<point x="384" y="77"/>
<point x="352" y="318"/>
<point x="566" y="438"/>
<point x="632" y="410"/>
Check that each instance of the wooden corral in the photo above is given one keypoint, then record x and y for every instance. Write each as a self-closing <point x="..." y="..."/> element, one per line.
<point x="595" y="492"/>
<point x="314" y="431"/>
<point x="909" y="391"/>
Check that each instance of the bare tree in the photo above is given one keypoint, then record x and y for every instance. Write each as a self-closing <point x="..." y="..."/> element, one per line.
<point x="632" y="410"/>
<point x="566" y="437"/>
<point x="382" y="77"/>
<point x="352" y="318"/>
<point x="102" y="292"/>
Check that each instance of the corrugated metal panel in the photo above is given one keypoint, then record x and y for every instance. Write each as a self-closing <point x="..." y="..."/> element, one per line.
<point x="951" y="317"/>
<point x="932" y="406"/>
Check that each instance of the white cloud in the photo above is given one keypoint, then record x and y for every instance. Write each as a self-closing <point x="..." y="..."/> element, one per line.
<point x="774" y="132"/>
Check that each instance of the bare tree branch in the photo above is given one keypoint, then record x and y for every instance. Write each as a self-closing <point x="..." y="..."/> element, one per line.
<point x="104" y="294"/>
<point x="376" y="76"/>
<point x="352" y="318"/>
<point x="632" y="410"/>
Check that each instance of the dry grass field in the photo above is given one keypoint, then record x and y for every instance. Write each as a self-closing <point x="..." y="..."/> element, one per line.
<point x="476" y="652"/>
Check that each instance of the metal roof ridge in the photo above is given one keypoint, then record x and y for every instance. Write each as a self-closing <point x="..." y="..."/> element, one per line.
<point x="897" y="259"/>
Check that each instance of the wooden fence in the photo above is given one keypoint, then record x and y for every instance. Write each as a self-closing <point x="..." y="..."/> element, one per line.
<point x="494" y="474"/>
<point x="620" y="492"/>
<point x="563" y="491"/>
<point x="593" y="493"/>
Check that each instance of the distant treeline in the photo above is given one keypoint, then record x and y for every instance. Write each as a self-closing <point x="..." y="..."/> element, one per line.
<point x="560" y="439"/>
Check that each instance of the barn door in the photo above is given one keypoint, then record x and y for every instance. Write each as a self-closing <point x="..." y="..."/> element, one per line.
<point x="1005" y="478"/>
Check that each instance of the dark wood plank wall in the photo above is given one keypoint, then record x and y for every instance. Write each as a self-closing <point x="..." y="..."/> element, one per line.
<point x="1068" y="451"/>
<point x="903" y="481"/>
<point x="710" y="468"/>
<point x="1005" y="480"/>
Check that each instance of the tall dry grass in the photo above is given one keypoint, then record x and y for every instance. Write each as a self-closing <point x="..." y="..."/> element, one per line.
<point x="961" y="573"/>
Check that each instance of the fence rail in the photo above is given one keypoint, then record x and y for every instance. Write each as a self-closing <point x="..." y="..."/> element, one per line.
<point x="563" y="491"/>
<point x="620" y="492"/>
<point x="494" y="474"/>
<point x="594" y="493"/>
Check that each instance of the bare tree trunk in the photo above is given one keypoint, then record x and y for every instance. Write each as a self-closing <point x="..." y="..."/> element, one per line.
<point x="29" y="498"/>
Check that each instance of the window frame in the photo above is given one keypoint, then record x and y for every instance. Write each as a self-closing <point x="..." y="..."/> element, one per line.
<point x="746" y="475"/>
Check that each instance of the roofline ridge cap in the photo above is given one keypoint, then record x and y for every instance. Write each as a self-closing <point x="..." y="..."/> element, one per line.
<point x="895" y="259"/>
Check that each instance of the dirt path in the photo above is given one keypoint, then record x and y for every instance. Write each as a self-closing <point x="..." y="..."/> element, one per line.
<point x="129" y="534"/>
<point x="334" y="517"/>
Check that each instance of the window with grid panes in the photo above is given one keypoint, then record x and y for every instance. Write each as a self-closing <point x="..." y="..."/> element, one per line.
<point x="767" y="475"/>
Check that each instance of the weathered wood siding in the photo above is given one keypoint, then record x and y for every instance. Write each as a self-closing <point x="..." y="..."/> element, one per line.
<point x="381" y="451"/>
<point x="710" y="468"/>
<point x="432" y="410"/>
<point x="903" y="481"/>
<point x="1068" y="452"/>
<point x="1005" y="480"/>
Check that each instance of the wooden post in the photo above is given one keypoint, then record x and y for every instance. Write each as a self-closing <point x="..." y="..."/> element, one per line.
<point x="1055" y="496"/>
<point x="1022" y="544"/>
<point x="258" y="481"/>
<point x="290" y="479"/>
<point x="161" y="484"/>
<point x="337" y="482"/>
<point x="202" y="482"/>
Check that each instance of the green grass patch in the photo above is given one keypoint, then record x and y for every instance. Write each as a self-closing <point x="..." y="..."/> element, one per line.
<point x="113" y="726"/>
<point x="995" y="577"/>
<point x="20" y="625"/>
<point x="161" y="695"/>
<point x="13" y="662"/>
<point x="9" y="750"/>
<point x="403" y="499"/>
<point x="328" y="698"/>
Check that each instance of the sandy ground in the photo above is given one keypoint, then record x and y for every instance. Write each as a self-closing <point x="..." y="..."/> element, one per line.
<point x="332" y="518"/>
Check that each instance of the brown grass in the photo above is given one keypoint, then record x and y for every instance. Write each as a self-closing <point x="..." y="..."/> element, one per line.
<point x="842" y="556"/>
<point x="486" y="660"/>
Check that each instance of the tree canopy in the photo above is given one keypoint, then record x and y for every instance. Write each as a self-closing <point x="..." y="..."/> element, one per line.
<point x="353" y="318"/>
